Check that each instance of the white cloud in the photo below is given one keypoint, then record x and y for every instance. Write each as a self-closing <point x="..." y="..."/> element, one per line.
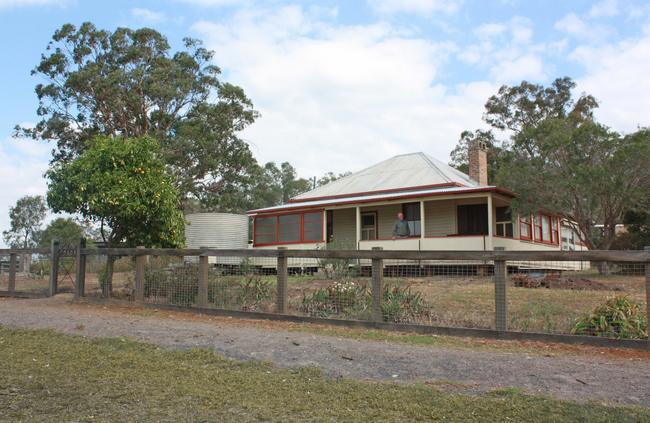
<point x="528" y="67"/>
<point x="10" y="4"/>
<point x="575" y="26"/>
<point x="507" y="51"/>
<point x="336" y="98"/>
<point x="572" y="24"/>
<point x="617" y="75"/>
<point x="489" y="30"/>
<point x="427" y="7"/>
<point x="23" y="165"/>
<point x="604" y="8"/>
<point x="217" y="3"/>
<point x="148" y="15"/>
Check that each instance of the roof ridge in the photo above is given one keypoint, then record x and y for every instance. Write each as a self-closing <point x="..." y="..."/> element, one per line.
<point x="434" y="166"/>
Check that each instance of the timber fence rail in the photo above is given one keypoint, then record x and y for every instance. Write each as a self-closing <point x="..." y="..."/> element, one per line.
<point x="25" y="272"/>
<point x="590" y="297"/>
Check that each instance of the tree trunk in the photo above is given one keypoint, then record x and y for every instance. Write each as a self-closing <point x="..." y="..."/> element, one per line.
<point x="25" y="263"/>
<point x="603" y="267"/>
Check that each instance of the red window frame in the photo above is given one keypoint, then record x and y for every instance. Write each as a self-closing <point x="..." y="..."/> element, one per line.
<point x="528" y="224"/>
<point x="302" y="239"/>
<point x="555" y="230"/>
<point x="538" y="229"/>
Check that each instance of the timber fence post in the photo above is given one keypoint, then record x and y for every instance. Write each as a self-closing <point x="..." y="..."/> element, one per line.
<point x="12" y="272"/>
<point x="54" y="267"/>
<point x="283" y="275"/>
<point x="80" y="277"/>
<point x="647" y="294"/>
<point x="377" y="286"/>
<point x="500" y="273"/>
<point x="139" y="277"/>
<point x="204" y="269"/>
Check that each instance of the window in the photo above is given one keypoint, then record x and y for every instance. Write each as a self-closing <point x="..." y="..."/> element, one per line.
<point x="265" y="230"/>
<point x="537" y="221"/>
<point x="504" y="222"/>
<point x="368" y="226"/>
<point x="289" y="228"/>
<point x="546" y="228"/>
<point x="525" y="228"/>
<point x="555" y="232"/>
<point x="568" y="238"/>
<point x="472" y="219"/>
<point x="412" y="216"/>
<point x="313" y="226"/>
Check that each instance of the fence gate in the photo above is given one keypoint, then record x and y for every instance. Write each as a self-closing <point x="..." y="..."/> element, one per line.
<point x="63" y="268"/>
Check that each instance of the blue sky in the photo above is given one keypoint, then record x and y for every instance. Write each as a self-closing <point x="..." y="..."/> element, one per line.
<point x="343" y="84"/>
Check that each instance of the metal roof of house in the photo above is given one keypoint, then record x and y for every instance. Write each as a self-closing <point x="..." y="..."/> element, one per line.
<point x="414" y="175"/>
<point x="415" y="170"/>
<point x="360" y="199"/>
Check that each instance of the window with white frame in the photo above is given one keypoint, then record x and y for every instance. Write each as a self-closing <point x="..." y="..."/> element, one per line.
<point x="504" y="222"/>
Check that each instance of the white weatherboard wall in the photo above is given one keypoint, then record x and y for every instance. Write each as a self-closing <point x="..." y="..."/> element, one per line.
<point x="217" y="230"/>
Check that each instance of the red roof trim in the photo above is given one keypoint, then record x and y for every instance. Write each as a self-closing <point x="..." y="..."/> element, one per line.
<point x="372" y="200"/>
<point x="382" y="191"/>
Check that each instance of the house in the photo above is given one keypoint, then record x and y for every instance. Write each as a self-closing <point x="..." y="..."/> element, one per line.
<point x="445" y="210"/>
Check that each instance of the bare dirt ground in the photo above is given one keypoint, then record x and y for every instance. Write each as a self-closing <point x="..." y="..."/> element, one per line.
<point x="584" y="374"/>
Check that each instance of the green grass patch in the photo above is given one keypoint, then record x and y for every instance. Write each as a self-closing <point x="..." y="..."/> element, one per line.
<point x="52" y="377"/>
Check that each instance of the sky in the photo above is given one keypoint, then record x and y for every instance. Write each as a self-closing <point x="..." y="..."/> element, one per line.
<point x="341" y="85"/>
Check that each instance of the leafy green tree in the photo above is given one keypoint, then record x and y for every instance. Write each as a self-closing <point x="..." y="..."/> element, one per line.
<point x="121" y="183"/>
<point x="66" y="230"/>
<point x="327" y="178"/>
<point x="586" y="173"/>
<point x="26" y="219"/>
<point x="558" y="158"/>
<point x="460" y="155"/>
<point x="526" y="105"/>
<point x="128" y="83"/>
<point x="275" y="185"/>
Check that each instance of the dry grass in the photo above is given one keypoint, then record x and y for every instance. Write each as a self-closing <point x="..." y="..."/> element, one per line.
<point x="52" y="377"/>
<point x="468" y="301"/>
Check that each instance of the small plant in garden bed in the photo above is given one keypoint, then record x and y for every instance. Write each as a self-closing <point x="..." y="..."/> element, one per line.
<point x="400" y="304"/>
<point x="339" y="298"/>
<point x="254" y="291"/>
<point x="619" y="317"/>
<point x="350" y="299"/>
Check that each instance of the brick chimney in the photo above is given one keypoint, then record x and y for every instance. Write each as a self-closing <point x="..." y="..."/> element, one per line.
<point x="478" y="162"/>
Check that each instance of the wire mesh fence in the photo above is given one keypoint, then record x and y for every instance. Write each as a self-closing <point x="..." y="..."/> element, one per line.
<point x="233" y="283"/>
<point x="455" y="293"/>
<point x="329" y="287"/>
<point x="31" y="272"/>
<point x="577" y="297"/>
<point x="4" y="271"/>
<point x="109" y="276"/>
<point x="569" y="297"/>
<point x="441" y="293"/>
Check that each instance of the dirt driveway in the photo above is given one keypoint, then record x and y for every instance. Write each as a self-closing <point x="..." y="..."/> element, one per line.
<point x="603" y="378"/>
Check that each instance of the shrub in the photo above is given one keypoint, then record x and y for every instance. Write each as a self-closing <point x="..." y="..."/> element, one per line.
<point x="339" y="268"/>
<point x="179" y="285"/>
<point x="254" y="291"/>
<point x="618" y="317"/>
<point x="339" y="298"/>
<point x="400" y="304"/>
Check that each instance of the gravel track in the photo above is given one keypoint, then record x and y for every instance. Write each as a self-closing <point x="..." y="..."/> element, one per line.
<point x="582" y="378"/>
